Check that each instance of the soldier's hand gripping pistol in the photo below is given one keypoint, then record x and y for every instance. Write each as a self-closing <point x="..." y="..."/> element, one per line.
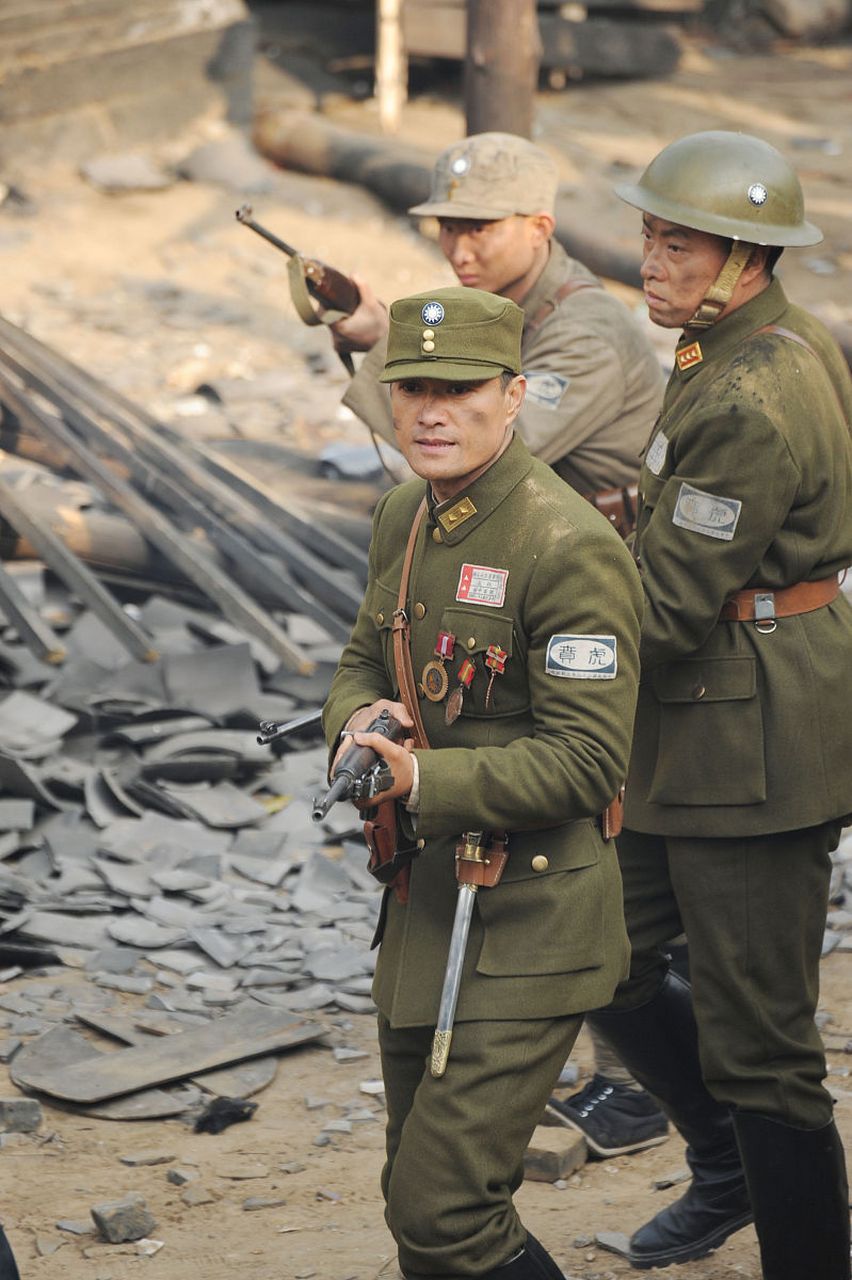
<point x="361" y="774"/>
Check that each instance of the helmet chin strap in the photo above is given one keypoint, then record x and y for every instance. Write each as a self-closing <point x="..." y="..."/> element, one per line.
<point x="721" y="291"/>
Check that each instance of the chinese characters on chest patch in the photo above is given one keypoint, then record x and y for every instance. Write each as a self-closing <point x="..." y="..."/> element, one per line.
<point x="478" y="584"/>
<point x="582" y="657"/>
<point x="706" y="513"/>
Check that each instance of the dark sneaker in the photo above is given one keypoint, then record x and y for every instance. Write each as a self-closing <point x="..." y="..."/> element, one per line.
<point x="613" y="1118"/>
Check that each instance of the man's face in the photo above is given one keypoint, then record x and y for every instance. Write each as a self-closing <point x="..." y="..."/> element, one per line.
<point x="498" y="256"/>
<point x="447" y="431"/>
<point x="678" y="267"/>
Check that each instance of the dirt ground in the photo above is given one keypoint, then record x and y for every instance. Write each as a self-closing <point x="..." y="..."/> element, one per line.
<point x="160" y="292"/>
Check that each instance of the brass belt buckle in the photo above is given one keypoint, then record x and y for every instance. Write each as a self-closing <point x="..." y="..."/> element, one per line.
<point x="764" y="612"/>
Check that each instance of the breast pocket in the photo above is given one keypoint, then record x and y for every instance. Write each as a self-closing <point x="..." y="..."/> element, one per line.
<point x="475" y="631"/>
<point x="710" y="748"/>
<point x="547" y="913"/>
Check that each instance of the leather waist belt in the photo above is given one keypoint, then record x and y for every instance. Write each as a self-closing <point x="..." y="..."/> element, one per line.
<point x="759" y="604"/>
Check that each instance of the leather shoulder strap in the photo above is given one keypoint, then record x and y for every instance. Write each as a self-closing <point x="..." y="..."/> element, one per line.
<point x="564" y="291"/>
<point x="401" y="645"/>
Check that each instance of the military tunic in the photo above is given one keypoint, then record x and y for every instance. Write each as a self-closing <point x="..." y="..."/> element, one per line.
<point x="520" y="561"/>
<point x="747" y="481"/>
<point x="593" y="381"/>
<point x="739" y="777"/>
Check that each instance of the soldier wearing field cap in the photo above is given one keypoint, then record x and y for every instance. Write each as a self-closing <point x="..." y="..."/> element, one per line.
<point x="515" y="606"/>
<point x="593" y="380"/>
<point x="740" y="775"/>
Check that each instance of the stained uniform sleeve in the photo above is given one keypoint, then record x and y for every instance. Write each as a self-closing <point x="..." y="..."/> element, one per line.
<point x="572" y="763"/>
<point x="737" y="457"/>
<point x="577" y="383"/>
<point x="361" y="677"/>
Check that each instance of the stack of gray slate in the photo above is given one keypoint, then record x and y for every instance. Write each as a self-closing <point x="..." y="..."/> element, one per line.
<point x="161" y="854"/>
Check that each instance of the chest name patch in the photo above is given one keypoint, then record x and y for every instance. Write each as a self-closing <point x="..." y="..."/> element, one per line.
<point x="546" y="389"/>
<point x="656" y="455"/>
<point x="582" y="657"/>
<point x="706" y="513"/>
<point x="480" y="585"/>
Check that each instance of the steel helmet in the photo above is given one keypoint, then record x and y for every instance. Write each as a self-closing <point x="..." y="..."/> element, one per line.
<point x="727" y="184"/>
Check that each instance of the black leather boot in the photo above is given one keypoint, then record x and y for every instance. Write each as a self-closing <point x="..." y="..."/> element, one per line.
<point x="532" y="1263"/>
<point x="658" y="1043"/>
<point x="8" y="1267"/>
<point x="797" y="1182"/>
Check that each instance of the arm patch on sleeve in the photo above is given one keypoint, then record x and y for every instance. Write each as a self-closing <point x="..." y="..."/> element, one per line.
<point x="546" y="389"/>
<point x="582" y="657"/>
<point x="706" y="513"/>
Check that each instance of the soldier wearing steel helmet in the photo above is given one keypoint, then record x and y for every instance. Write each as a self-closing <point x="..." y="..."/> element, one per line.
<point x="593" y="382"/>
<point x="739" y="780"/>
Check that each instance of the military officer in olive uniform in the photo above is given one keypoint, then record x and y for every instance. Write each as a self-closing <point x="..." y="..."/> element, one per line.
<point x="523" y="606"/>
<point x="739" y="779"/>
<point x="593" y="381"/>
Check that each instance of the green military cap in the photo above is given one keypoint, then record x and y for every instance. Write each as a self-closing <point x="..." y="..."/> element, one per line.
<point x="454" y="334"/>
<point x="491" y="176"/>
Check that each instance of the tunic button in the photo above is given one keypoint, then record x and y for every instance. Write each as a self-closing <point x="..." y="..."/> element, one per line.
<point x="419" y="610"/>
<point x="428" y="333"/>
<point x="380" y="617"/>
<point x="698" y="692"/>
<point x="436" y="535"/>
<point x="428" y="345"/>
<point x="540" y="862"/>
<point x="421" y="844"/>
<point x="471" y="642"/>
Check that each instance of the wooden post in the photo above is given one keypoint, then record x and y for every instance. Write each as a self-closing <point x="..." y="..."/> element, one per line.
<point x="391" y="64"/>
<point x="501" y="69"/>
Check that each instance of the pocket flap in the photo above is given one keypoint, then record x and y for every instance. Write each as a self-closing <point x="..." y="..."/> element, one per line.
<point x="382" y="605"/>
<point x="476" y="629"/>
<point x="707" y="680"/>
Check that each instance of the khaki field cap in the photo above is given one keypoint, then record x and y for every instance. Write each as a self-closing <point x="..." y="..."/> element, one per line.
<point x="491" y="176"/>
<point x="728" y="184"/>
<point x="457" y="335"/>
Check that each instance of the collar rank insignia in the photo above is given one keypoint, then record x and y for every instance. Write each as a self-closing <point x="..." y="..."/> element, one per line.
<point x="686" y="357"/>
<point x="457" y="515"/>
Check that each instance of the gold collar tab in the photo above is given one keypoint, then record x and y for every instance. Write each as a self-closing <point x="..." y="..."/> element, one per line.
<point x="457" y="515"/>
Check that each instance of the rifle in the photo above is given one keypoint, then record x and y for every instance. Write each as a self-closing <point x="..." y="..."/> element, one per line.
<point x="335" y="292"/>
<point x="361" y="774"/>
<point x="273" y="730"/>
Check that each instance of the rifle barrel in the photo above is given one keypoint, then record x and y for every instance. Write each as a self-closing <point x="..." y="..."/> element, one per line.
<point x="243" y="215"/>
<point x="339" y="790"/>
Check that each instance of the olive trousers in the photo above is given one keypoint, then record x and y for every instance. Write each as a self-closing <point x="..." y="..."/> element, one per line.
<point x="455" y="1145"/>
<point x="753" y="910"/>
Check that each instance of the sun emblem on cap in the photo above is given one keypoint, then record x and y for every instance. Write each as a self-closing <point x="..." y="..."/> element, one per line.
<point x="460" y="165"/>
<point x="757" y="193"/>
<point x="432" y="313"/>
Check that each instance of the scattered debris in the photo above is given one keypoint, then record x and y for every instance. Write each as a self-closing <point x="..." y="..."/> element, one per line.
<point x="553" y="1154"/>
<point x="19" y="1115"/>
<point x="219" y="1114"/>
<point x="125" y="1219"/>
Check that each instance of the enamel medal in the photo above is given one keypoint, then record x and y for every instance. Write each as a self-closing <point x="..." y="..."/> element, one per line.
<point x="434" y="679"/>
<point x="455" y="702"/>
